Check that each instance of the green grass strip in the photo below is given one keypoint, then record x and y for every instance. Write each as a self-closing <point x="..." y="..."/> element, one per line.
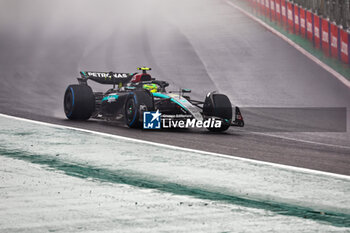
<point x="85" y="171"/>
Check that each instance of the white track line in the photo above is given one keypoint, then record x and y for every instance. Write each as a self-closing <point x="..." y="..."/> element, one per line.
<point x="299" y="140"/>
<point x="297" y="169"/>
<point x="340" y="77"/>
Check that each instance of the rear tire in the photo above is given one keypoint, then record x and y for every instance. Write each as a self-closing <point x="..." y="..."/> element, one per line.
<point x="79" y="102"/>
<point x="132" y="108"/>
<point x="218" y="105"/>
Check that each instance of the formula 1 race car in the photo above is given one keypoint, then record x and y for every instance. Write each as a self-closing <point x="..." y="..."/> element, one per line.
<point x="133" y="95"/>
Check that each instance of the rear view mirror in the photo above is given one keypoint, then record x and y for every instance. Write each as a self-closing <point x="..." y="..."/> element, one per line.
<point x="186" y="90"/>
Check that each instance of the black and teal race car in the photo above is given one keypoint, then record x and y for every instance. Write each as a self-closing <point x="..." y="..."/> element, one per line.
<point x="132" y="95"/>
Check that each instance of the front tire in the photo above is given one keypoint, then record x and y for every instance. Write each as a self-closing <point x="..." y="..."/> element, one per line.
<point x="79" y="102"/>
<point x="132" y="108"/>
<point x="218" y="106"/>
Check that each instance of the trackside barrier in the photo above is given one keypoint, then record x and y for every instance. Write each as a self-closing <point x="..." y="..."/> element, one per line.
<point x="284" y="12"/>
<point x="325" y="36"/>
<point x="333" y="40"/>
<point x="302" y="17"/>
<point x="267" y="8"/>
<point x="290" y="14"/>
<point x="278" y="11"/>
<point x="296" y="20"/>
<point x="310" y="26"/>
<point x="344" y="46"/>
<point x="272" y="10"/>
<point x="255" y="6"/>
<point x="262" y="7"/>
<point x="317" y="37"/>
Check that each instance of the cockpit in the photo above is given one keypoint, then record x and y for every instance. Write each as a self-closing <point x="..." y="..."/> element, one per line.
<point x="145" y="81"/>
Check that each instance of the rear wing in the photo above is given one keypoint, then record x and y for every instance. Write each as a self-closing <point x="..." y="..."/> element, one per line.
<point x="105" y="77"/>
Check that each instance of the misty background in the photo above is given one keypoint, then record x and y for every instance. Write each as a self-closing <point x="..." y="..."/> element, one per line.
<point x="203" y="45"/>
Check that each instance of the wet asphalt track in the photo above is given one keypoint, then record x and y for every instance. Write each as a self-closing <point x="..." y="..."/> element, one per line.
<point x="204" y="45"/>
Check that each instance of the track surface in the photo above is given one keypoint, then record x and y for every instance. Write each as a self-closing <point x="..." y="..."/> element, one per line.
<point x="203" y="45"/>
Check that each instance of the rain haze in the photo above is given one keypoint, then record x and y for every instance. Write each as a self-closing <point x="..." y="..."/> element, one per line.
<point x="202" y="45"/>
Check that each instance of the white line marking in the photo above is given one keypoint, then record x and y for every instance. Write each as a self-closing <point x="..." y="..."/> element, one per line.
<point x="298" y="140"/>
<point x="287" y="167"/>
<point x="340" y="77"/>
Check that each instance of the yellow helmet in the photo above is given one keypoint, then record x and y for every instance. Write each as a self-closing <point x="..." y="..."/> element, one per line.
<point x="151" y="87"/>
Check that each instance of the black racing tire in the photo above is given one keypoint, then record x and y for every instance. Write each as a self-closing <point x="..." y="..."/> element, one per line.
<point x="132" y="112"/>
<point x="218" y="105"/>
<point x="79" y="102"/>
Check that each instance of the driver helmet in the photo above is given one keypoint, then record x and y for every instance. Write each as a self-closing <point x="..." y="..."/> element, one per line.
<point x="152" y="87"/>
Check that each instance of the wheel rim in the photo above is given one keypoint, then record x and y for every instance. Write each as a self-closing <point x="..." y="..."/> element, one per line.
<point x="130" y="110"/>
